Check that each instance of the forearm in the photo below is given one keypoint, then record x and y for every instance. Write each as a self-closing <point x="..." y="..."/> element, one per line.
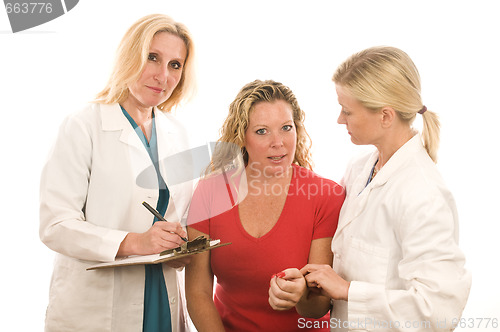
<point x="204" y="314"/>
<point x="82" y="240"/>
<point x="313" y="305"/>
<point x="199" y="291"/>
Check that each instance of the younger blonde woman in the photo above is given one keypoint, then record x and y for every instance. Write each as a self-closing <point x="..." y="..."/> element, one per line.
<point x="397" y="265"/>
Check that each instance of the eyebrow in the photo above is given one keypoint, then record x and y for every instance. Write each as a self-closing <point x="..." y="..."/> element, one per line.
<point x="158" y="53"/>
<point x="262" y="125"/>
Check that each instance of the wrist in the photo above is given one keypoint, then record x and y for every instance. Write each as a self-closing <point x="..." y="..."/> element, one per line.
<point x="128" y="246"/>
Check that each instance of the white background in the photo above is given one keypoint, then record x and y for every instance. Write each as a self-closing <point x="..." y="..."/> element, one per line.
<point x="52" y="70"/>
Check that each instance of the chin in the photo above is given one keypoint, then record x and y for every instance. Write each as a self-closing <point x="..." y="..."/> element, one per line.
<point x="356" y="142"/>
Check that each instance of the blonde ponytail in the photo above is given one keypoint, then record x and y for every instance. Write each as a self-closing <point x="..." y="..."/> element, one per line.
<point x="430" y="133"/>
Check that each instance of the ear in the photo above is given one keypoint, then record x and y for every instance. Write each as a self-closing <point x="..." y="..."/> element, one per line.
<point x="388" y="116"/>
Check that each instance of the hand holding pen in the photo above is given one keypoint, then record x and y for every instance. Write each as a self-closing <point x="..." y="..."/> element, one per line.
<point x="160" y="217"/>
<point x="161" y="236"/>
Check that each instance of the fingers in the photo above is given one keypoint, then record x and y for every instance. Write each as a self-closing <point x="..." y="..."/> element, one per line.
<point x="172" y="227"/>
<point x="180" y="262"/>
<point x="280" y="299"/>
<point x="286" y="289"/>
<point x="168" y="232"/>
<point x="290" y="274"/>
<point x="313" y="267"/>
<point x="161" y="236"/>
<point x="328" y="281"/>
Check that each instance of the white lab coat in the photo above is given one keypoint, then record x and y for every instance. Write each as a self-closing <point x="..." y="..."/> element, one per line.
<point x="397" y="242"/>
<point x="90" y="200"/>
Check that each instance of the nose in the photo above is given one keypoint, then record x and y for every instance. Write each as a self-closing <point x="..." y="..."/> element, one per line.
<point x="161" y="74"/>
<point x="276" y="140"/>
<point x="341" y="118"/>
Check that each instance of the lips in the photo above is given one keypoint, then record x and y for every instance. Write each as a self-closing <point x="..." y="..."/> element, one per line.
<point x="155" y="89"/>
<point x="276" y="158"/>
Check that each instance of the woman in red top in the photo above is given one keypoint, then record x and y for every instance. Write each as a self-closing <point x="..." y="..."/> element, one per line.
<point x="279" y="216"/>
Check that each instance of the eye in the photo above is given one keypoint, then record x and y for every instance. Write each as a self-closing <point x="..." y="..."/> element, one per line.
<point x="152" y="57"/>
<point x="261" y="131"/>
<point x="345" y="112"/>
<point x="287" y="127"/>
<point x="176" y="65"/>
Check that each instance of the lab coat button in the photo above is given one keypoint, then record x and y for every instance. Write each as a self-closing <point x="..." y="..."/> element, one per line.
<point x="173" y="300"/>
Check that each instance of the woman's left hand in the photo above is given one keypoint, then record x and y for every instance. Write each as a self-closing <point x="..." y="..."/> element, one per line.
<point x="324" y="278"/>
<point x="286" y="289"/>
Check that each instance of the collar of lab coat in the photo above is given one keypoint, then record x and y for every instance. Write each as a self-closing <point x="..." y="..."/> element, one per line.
<point x="409" y="149"/>
<point x="358" y="194"/>
<point x="167" y="130"/>
<point x="112" y="119"/>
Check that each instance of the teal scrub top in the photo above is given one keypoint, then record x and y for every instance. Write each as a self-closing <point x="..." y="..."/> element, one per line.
<point x="156" y="304"/>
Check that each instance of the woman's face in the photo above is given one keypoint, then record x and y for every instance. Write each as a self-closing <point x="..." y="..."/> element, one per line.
<point x="361" y="123"/>
<point x="162" y="72"/>
<point x="270" y="138"/>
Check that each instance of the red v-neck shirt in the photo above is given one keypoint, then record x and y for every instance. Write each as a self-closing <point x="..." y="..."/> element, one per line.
<point x="244" y="268"/>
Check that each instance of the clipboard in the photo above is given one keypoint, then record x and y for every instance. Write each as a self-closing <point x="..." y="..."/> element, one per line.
<point x="200" y="244"/>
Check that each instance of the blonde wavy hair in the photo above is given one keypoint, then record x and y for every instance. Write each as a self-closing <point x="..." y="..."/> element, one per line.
<point x="132" y="55"/>
<point x="230" y="149"/>
<point x="386" y="76"/>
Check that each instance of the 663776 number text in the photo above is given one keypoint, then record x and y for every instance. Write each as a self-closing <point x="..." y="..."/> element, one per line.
<point x="28" y="7"/>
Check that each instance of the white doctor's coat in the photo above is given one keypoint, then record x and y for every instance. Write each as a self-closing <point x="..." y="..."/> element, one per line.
<point x="397" y="242"/>
<point x="90" y="199"/>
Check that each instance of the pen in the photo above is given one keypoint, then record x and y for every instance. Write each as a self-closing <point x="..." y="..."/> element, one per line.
<point x="159" y="216"/>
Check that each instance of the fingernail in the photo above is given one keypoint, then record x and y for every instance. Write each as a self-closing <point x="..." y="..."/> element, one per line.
<point x="281" y="275"/>
<point x="274" y="275"/>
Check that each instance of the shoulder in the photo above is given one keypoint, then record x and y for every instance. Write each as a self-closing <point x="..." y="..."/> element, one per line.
<point x="419" y="186"/>
<point x="315" y="182"/>
<point x="87" y="112"/>
<point x="421" y="173"/>
<point x="82" y="120"/>
<point x="217" y="181"/>
<point x="310" y="176"/>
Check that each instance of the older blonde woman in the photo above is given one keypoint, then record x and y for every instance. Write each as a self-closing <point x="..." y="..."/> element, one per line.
<point x="91" y="198"/>
<point x="275" y="211"/>
<point x="397" y="264"/>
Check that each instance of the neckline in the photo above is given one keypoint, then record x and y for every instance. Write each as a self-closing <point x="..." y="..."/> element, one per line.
<point x="372" y="174"/>
<point x="236" y="213"/>
<point x="138" y="130"/>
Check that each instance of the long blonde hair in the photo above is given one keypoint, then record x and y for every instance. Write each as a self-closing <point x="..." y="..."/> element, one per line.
<point x="386" y="76"/>
<point x="132" y="55"/>
<point x="231" y="143"/>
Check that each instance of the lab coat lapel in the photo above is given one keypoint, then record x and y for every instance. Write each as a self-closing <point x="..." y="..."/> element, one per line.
<point x="113" y="120"/>
<point x="358" y="194"/>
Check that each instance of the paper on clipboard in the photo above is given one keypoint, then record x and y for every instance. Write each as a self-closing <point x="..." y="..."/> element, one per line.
<point x="164" y="256"/>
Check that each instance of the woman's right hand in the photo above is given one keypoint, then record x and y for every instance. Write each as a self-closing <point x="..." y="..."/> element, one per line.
<point x="286" y="289"/>
<point x="161" y="236"/>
